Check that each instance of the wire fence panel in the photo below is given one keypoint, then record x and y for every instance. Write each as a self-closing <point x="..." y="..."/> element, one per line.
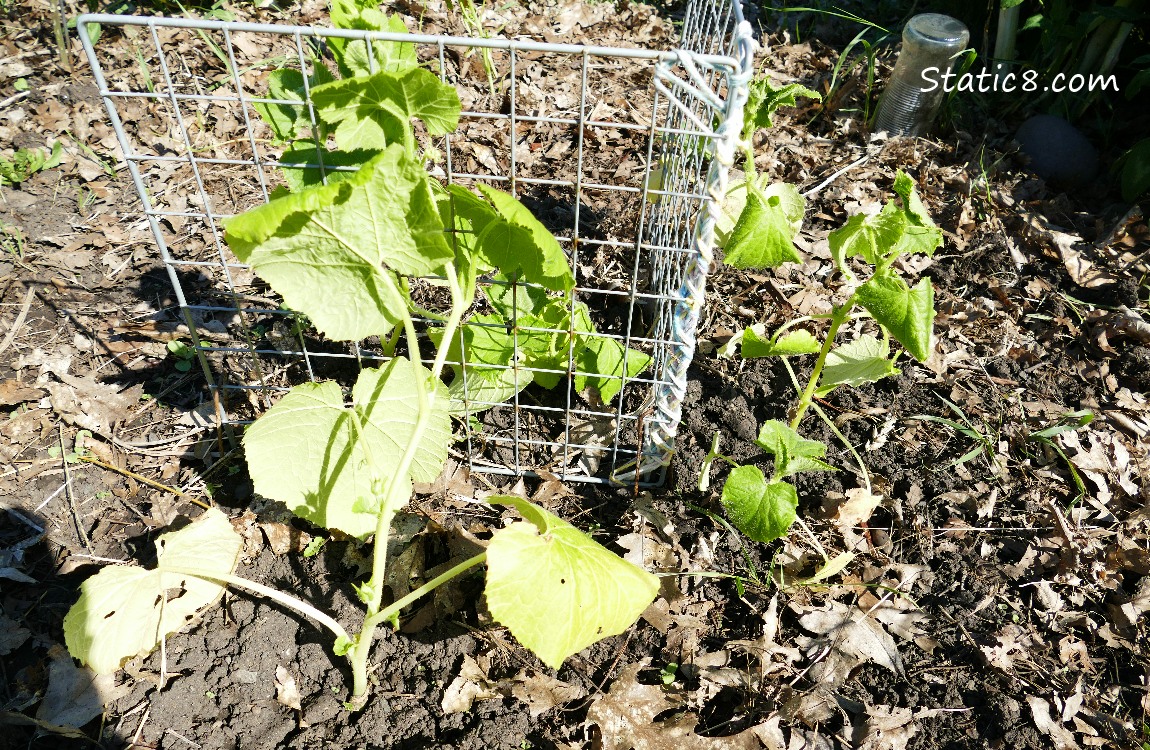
<point x="620" y="153"/>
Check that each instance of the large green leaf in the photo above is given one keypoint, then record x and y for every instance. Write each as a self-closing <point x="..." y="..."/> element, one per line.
<point x="556" y="589"/>
<point x="304" y="152"/>
<point x="791" y="201"/>
<point x="907" y="313"/>
<point x="124" y="611"/>
<point x="484" y="387"/>
<point x="762" y="510"/>
<point x="792" y="452"/>
<point x="871" y="237"/>
<point x="351" y="54"/>
<point x="372" y="112"/>
<point x="307" y="452"/>
<point x="331" y="250"/>
<point x="763" y="237"/>
<point x="600" y="361"/>
<point x="521" y="246"/>
<point x="864" y="360"/>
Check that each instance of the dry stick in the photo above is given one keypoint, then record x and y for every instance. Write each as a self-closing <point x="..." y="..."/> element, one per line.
<point x="19" y="322"/>
<point x="68" y="491"/>
<point x="145" y="480"/>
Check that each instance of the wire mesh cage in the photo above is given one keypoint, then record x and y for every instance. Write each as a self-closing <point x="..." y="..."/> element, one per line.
<point x="621" y="153"/>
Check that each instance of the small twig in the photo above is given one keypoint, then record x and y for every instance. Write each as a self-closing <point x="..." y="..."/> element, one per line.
<point x="68" y="491"/>
<point x="14" y="98"/>
<point x="19" y="322"/>
<point x="145" y="480"/>
<point x="835" y="176"/>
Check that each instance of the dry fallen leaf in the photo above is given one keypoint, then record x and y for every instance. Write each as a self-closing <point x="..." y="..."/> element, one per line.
<point x="854" y="637"/>
<point x="1062" y="737"/>
<point x="626" y="719"/>
<point x="542" y="692"/>
<point x="287" y="693"/>
<point x="857" y="508"/>
<point x="889" y="727"/>
<point x="91" y="405"/>
<point x="14" y="392"/>
<point x="472" y="684"/>
<point x="75" y="695"/>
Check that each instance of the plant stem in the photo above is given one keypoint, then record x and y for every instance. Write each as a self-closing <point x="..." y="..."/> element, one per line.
<point x="850" y="448"/>
<point x="258" y="588"/>
<point x="392" y="610"/>
<point x="397" y="487"/>
<point x="838" y="316"/>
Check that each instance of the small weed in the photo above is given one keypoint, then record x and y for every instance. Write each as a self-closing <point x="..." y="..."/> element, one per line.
<point x="12" y="240"/>
<point x="669" y="673"/>
<point x="986" y="442"/>
<point x="183" y="355"/>
<point x="1069" y="422"/>
<point x="27" y="162"/>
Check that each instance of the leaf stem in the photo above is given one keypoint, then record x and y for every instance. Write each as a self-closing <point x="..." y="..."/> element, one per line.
<point x="426" y="388"/>
<point x="258" y="588"/>
<point x="843" y="439"/>
<point x="838" y="316"/>
<point x="392" y="610"/>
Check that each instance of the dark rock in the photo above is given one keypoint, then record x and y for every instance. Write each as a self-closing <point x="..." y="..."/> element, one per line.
<point x="1058" y="151"/>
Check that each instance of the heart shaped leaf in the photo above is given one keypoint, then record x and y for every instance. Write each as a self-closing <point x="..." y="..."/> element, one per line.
<point x="762" y="510"/>
<point x="123" y="611"/>
<point x="332" y="251"/>
<point x="907" y="313"/>
<point x="556" y="589"/>
<point x="308" y="452"/>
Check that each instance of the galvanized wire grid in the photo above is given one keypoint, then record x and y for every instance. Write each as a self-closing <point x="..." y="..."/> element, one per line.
<point x="180" y="95"/>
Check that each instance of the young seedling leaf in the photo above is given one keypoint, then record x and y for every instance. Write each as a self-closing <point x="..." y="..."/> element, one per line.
<point x="351" y="54"/>
<point x="520" y="246"/>
<point x="304" y="153"/>
<point x="330" y="250"/>
<point x="308" y="453"/>
<point x="864" y="360"/>
<point x="907" y="313"/>
<point x="372" y="112"/>
<point x="762" y="510"/>
<point x="792" y="453"/>
<point x="921" y="235"/>
<point x="763" y="237"/>
<point x="904" y="188"/>
<point x="764" y="99"/>
<point x="514" y="300"/>
<point x="871" y="237"/>
<point x="483" y="388"/>
<point x="551" y="340"/>
<point x="600" y="361"/>
<point x="556" y="589"/>
<point x="789" y="344"/>
<point x="124" y="610"/>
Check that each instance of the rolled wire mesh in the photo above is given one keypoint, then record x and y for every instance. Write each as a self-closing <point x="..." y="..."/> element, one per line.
<point x="182" y="97"/>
